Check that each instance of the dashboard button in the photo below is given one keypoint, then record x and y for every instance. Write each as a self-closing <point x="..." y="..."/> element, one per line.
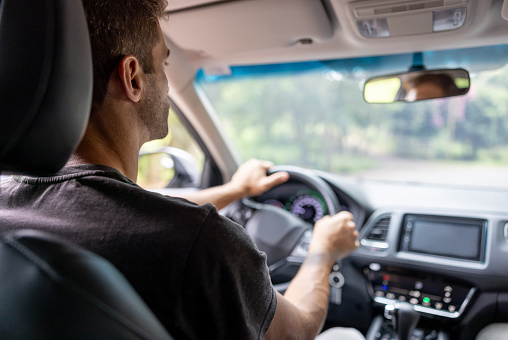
<point x="415" y="293"/>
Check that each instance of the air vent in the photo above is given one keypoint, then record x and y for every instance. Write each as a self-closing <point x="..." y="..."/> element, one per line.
<point x="379" y="231"/>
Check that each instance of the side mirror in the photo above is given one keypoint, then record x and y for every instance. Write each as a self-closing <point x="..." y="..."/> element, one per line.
<point x="417" y="85"/>
<point x="168" y="167"/>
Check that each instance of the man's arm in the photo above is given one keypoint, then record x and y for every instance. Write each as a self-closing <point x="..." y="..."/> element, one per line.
<point x="301" y="312"/>
<point x="249" y="180"/>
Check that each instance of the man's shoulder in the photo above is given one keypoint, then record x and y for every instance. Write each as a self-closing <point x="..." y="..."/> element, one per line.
<point x="109" y="182"/>
<point x="94" y="190"/>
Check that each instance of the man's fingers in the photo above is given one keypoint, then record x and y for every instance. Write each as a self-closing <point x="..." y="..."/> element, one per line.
<point x="351" y="224"/>
<point x="275" y="179"/>
<point x="267" y="164"/>
<point x="343" y="215"/>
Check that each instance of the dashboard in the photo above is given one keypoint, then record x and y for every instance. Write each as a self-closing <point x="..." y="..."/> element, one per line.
<point x="442" y="249"/>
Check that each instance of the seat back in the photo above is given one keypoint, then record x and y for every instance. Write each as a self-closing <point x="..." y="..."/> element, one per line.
<point x="50" y="288"/>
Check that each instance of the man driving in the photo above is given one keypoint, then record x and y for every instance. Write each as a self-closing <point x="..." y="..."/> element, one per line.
<point x="199" y="272"/>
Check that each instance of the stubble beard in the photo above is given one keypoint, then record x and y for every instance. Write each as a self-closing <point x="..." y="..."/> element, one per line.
<point x="155" y="110"/>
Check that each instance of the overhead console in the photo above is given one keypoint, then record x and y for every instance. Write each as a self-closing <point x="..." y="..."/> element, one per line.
<point x="392" y="18"/>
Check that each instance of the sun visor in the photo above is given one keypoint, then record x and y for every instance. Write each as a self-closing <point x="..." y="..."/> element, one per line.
<point x="243" y="26"/>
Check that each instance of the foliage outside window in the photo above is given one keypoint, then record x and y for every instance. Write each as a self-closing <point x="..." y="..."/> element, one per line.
<point x="318" y="119"/>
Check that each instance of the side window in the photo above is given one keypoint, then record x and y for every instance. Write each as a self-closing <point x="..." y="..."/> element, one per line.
<point x="173" y="162"/>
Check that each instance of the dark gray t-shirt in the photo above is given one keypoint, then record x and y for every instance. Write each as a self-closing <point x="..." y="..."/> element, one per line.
<point x="199" y="272"/>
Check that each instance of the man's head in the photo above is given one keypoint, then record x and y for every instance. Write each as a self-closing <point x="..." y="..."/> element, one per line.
<point x="428" y="86"/>
<point x="119" y="28"/>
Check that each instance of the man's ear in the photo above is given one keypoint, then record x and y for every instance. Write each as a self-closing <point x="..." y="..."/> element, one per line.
<point x="132" y="77"/>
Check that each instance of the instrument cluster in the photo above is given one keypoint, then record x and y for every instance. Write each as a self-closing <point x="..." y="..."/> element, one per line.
<point x="298" y="200"/>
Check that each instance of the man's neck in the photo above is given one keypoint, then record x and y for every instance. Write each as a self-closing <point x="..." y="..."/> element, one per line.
<point x="112" y="144"/>
<point x="91" y="155"/>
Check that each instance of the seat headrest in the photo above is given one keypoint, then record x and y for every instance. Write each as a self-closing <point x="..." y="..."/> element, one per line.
<point x="45" y="83"/>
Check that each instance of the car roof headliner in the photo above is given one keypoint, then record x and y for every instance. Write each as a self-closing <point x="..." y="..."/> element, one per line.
<point x="267" y="31"/>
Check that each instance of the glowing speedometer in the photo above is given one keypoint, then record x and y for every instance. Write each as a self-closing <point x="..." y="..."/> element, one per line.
<point x="307" y="206"/>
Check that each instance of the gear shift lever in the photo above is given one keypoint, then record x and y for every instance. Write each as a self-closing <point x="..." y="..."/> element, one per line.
<point x="404" y="318"/>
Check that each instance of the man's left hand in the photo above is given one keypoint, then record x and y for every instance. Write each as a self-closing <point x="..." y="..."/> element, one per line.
<point x="251" y="178"/>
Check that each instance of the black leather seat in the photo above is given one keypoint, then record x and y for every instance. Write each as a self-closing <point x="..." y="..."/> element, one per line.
<point x="50" y="288"/>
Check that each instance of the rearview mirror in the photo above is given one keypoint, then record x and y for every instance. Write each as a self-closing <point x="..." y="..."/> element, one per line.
<point x="417" y="85"/>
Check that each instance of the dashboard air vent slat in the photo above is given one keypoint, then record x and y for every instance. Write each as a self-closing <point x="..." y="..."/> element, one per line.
<point x="379" y="231"/>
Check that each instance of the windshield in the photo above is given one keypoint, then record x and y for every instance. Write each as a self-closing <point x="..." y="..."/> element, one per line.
<point x="313" y="115"/>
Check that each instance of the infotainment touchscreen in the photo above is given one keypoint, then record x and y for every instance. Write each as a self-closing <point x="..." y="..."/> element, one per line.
<point x="444" y="236"/>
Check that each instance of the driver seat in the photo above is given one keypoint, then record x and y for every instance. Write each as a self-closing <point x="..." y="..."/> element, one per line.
<point x="50" y="288"/>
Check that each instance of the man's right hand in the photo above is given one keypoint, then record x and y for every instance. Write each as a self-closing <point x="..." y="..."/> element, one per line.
<point x="301" y="312"/>
<point x="334" y="235"/>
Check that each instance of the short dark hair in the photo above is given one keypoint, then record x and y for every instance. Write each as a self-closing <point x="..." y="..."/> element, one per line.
<point x="119" y="28"/>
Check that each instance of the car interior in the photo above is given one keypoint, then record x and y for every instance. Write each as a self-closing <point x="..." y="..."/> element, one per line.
<point x="331" y="91"/>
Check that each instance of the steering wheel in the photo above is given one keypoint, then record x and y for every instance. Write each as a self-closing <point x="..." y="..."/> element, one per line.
<point x="281" y="235"/>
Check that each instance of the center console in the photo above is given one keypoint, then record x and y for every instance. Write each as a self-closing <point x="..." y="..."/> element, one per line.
<point x="453" y="241"/>
<point x="427" y="293"/>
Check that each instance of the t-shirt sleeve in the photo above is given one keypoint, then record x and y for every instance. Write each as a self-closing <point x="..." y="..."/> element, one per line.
<point x="226" y="292"/>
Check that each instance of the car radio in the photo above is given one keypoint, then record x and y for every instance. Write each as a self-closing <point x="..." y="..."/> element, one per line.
<point x="428" y="293"/>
